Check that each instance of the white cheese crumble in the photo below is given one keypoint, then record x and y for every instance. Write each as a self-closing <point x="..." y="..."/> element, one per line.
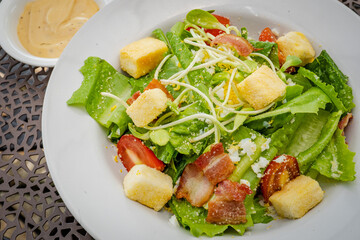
<point x="233" y="153"/>
<point x="280" y="159"/>
<point x="292" y="120"/>
<point x="252" y="135"/>
<point x="290" y="82"/>
<point x="248" y="147"/>
<point x="246" y="182"/>
<point x="256" y="167"/>
<point x="265" y="145"/>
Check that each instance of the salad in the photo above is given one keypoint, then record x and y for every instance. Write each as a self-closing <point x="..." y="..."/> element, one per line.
<point x="218" y="127"/>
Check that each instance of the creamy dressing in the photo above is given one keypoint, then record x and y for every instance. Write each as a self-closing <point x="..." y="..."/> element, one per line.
<point x="46" y="26"/>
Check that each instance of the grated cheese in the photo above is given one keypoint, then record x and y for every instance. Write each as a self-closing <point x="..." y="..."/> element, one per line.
<point x="233" y="153"/>
<point x="256" y="167"/>
<point x="266" y="145"/>
<point x="248" y="147"/>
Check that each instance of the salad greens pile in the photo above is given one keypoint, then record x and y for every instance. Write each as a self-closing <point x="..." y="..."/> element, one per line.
<point x="207" y="109"/>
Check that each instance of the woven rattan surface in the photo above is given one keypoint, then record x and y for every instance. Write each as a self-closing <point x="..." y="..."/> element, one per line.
<point x="30" y="206"/>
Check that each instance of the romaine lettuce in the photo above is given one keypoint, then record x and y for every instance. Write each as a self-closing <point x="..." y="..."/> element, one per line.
<point x="336" y="160"/>
<point x="100" y="76"/>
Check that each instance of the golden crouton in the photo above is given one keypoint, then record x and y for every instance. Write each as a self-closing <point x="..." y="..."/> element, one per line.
<point x="140" y="57"/>
<point x="261" y="88"/>
<point x="297" y="197"/>
<point x="148" y="186"/>
<point x="147" y="107"/>
<point x="296" y="44"/>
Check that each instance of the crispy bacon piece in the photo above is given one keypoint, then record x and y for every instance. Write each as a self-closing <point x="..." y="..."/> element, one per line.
<point x="345" y="121"/>
<point x="216" y="164"/>
<point x="281" y="170"/>
<point x="228" y="205"/>
<point x="232" y="191"/>
<point x="241" y="45"/>
<point x="194" y="186"/>
<point x="157" y="84"/>
<point x="133" y="97"/>
<point x="153" y="84"/>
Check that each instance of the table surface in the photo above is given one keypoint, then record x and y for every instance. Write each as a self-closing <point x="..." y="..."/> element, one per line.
<point x="30" y="206"/>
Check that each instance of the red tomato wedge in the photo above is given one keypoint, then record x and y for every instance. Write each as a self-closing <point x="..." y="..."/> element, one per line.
<point x="241" y="45"/>
<point x="267" y="35"/>
<point x="280" y="171"/>
<point x="132" y="151"/>
<point x="223" y="20"/>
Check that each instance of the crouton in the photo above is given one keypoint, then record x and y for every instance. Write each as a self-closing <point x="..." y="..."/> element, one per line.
<point x="147" y="107"/>
<point x="297" y="197"/>
<point x="148" y="186"/>
<point x="140" y="57"/>
<point x="261" y="88"/>
<point x="296" y="44"/>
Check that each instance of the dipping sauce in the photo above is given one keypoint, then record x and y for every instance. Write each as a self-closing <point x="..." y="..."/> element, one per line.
<point x="46" y="26"/>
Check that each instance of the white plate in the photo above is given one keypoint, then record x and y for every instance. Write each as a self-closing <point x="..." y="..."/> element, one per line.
<point x="80" y="157"/>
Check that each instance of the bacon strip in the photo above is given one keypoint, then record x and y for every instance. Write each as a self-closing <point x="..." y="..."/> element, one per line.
<point x="133" y="97"/>
<point x="232" y="191"/>
<point x="241" y="45"/>
<point x="157" y="84"/>
<point x="216" y="164"/>
<point x="228" y="205"/>
<point x="194" y="186"/>
<point x="345" y="121"/>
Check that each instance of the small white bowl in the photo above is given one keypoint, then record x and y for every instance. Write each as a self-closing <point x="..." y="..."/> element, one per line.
<point x="10" y="12"/>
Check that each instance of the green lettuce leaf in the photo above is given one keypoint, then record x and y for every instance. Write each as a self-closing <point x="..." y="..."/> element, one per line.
<point x="309" y="102"/>
<point x="336" y="160"/>
<point x="325" y="68"/>
<point x="299" y="80"/>
<point x="307" y="157"/>
<point x="307" y="133"/>
<point x="100" y="76"/>
<point x="260" y="215"/>
<point x="269" y="49"/>
<point x="179" y="49"/>
<point x="181" y="134"/>
<point x="328" y="89"/>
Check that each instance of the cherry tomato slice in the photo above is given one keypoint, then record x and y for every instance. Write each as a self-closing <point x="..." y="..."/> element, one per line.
<point x="281" y="170"/>
<point x="132" y="151"/>
<point x="267" y="35"/>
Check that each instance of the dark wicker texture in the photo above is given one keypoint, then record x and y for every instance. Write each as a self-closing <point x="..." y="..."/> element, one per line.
<point x="30" y="206"/>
